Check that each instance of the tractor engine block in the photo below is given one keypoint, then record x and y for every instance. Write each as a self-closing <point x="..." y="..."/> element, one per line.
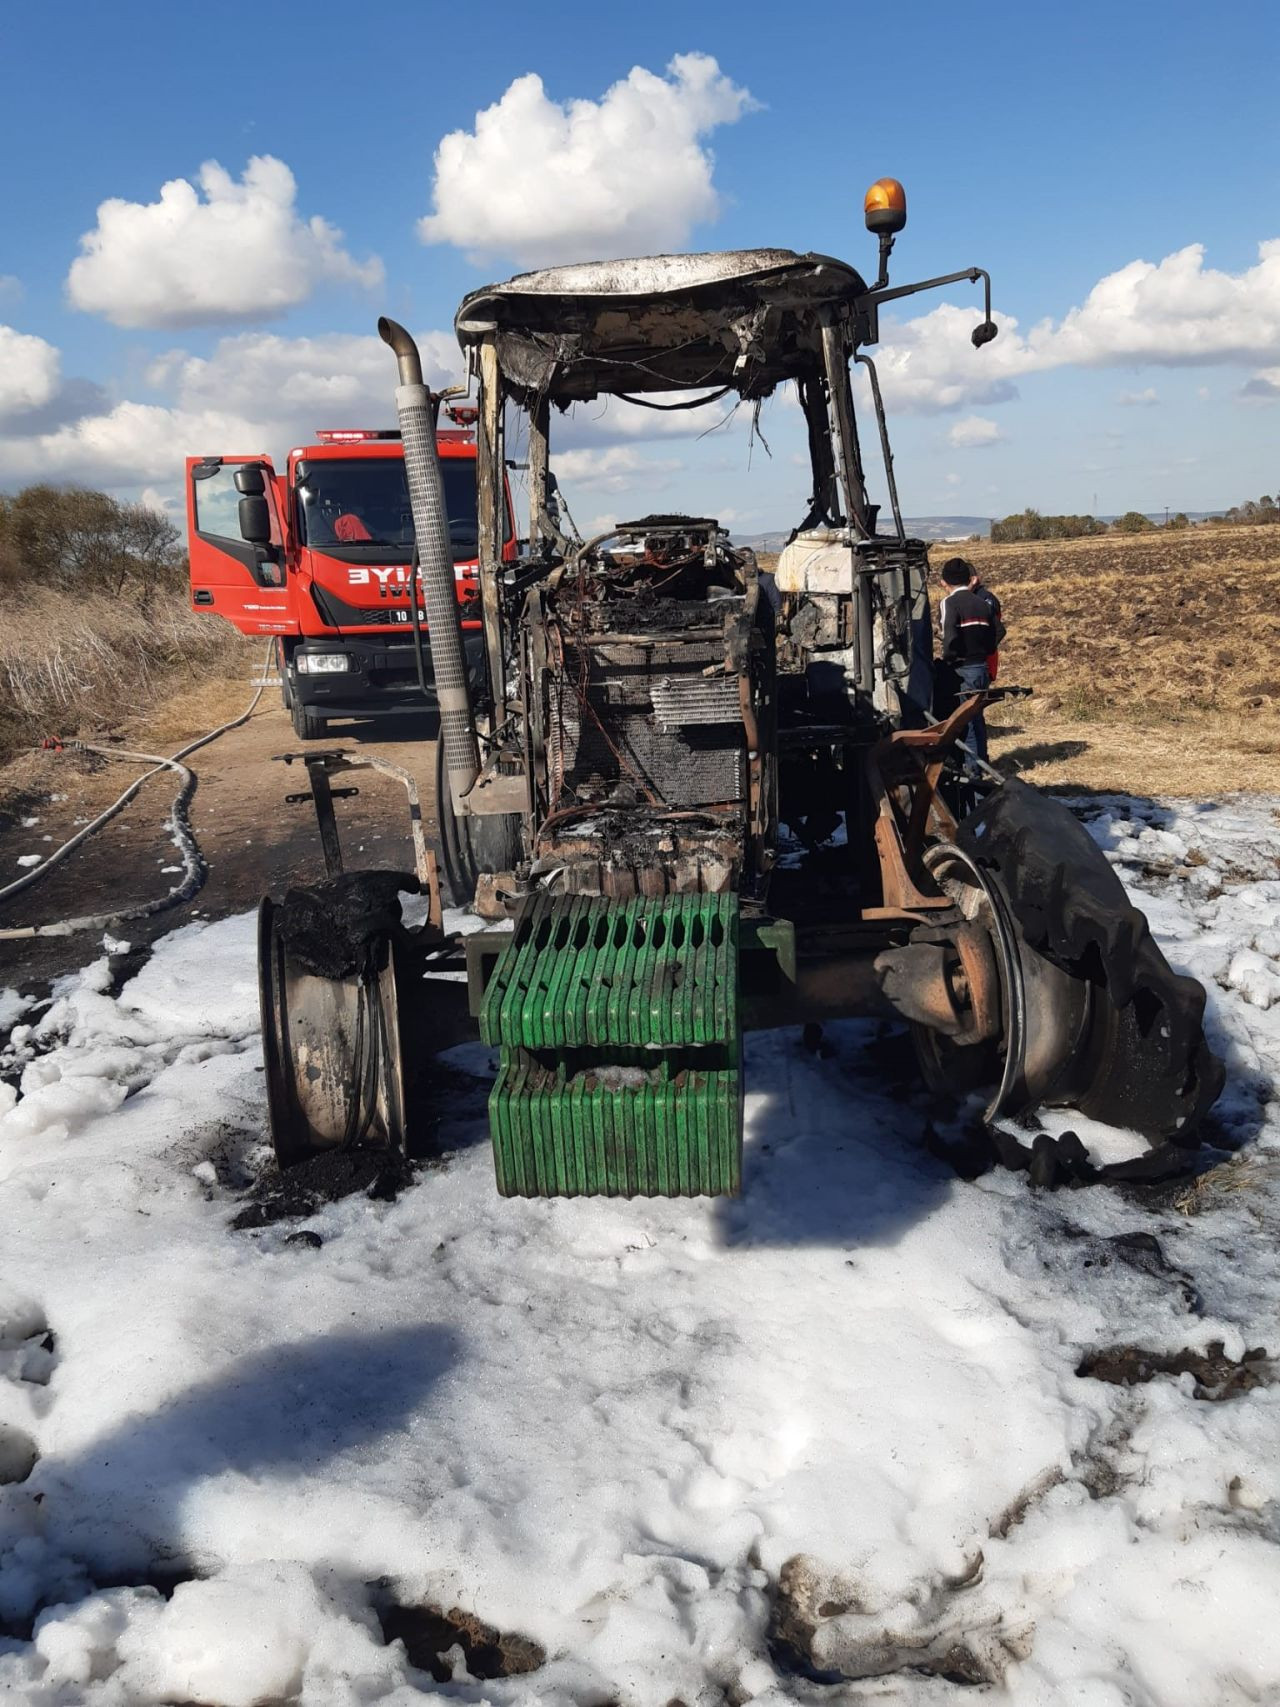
<point x="638" y="664"/>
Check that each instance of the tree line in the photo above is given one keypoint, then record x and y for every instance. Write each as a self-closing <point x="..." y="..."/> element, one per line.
<point x="1030" y="524"/>
<point x="78" y="540"/>
<point x="1264" y="509"/>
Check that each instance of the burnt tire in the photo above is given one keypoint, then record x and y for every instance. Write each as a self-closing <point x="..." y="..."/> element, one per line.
<point x="1095" y="1017"/>
<point x="334" y="973"/>
<point x="471" y="846"/>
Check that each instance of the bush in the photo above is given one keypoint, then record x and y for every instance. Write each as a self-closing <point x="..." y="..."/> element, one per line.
<point x="86" y="542"/>
<point x="1264" y="509"/>
<point x="1133" y="521"/>
<point x="69" y="664"/>
<point x="1030" y="524"/>
<point x="97" y="623"/>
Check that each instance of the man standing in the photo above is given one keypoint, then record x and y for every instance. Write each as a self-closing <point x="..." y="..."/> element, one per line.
<point x="997" y="615"/>
<point x="971" y="635"/>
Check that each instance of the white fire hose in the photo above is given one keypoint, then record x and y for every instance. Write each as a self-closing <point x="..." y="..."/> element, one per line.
<point x="193" y="865"/>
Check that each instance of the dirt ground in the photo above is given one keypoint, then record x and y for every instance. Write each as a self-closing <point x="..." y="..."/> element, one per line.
<point x="252" y="841"/>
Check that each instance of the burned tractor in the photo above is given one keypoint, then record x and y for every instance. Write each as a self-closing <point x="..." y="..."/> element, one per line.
<point x="699" y="797"/>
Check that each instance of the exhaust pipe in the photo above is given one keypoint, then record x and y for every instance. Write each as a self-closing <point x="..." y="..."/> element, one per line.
<point x="416" y="409"/>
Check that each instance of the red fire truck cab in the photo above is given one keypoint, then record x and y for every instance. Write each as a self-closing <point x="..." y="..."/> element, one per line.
<point x="321" y="556"/>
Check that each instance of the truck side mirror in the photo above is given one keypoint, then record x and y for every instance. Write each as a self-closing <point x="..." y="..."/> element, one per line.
<point x="255" y="520"/>
<point x="249" y="481"/>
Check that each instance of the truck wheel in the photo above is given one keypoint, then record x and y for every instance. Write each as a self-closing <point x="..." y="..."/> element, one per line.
<point x="307" y="724"/>
<point x="469" y="846"/>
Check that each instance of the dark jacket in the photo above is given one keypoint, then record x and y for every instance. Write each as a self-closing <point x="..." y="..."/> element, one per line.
<point x="971" y="625"/>
<point x="997" y="615"/>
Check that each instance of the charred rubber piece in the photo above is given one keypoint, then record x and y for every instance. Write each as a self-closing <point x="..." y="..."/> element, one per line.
<point x="334" y="968"/>
<point x="330" y="926"/>
<point x="1105" y="1025"/>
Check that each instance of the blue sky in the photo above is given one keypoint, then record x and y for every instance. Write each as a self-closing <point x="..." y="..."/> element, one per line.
<point x="1055" y="146"/>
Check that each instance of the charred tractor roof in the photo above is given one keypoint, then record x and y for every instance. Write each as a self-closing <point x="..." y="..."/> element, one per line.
<point x="742" y="321"/>
<point x="709" y="796"/>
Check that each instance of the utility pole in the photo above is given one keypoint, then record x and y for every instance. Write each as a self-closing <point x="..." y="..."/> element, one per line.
<point x="1166" y="515"/>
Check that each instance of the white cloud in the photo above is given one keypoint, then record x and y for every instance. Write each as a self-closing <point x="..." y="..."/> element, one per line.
<point x="613" y="468"/>
<point x="334" y="380"/>
<point x="1171" y="313"/>
<point x="1145" y="399"/>
<point x="953" y="480"/>
<point x="28" y="371"/>
<point x="929" y="364"/>
<point x="256" y="392"/>
<point x="611" y="420"/>
<point x="596" y="525"/>
<point x="128" y="446"/>
<point x="166" y="504"/>
<point x="224" y="250"/>
<point x="542" y="181"/>
<point x="974" y="433"/>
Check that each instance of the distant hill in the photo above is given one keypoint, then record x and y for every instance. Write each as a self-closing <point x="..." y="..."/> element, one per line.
<point x="1158" y="516"/>
<point x="937" y="528"/>
<point x="944" y="527"/>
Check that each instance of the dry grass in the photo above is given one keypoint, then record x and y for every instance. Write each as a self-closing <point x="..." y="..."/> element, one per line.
<point x="76" y="666"/>
<point x="1155" y="659"/>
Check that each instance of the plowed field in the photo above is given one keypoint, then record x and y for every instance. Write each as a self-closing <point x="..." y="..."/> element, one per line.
<point x="1155" y="659"/>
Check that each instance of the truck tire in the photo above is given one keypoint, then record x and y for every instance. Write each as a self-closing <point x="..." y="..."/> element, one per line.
<point x="308" y="725"/>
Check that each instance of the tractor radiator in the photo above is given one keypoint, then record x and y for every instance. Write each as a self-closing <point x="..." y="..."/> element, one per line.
<point x="620" y="1038"/>
<point x="644" y="715"/>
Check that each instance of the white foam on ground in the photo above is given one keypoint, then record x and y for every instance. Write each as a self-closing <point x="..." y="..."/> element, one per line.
<point x="609" y="1426"/>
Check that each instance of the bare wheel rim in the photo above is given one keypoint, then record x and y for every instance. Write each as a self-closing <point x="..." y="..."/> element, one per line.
<point x="995" y="1067"/>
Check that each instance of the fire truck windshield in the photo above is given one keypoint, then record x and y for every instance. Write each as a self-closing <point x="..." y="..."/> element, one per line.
<point x="358" y="508"/>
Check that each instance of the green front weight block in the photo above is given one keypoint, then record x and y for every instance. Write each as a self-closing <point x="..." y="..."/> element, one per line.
<point x="620" y="1048"/>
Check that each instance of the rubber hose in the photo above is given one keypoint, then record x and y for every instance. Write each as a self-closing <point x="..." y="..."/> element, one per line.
<point x="194" y="871"/>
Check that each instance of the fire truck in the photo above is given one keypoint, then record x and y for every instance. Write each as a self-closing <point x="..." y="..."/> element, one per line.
<point x="322" y="556"/>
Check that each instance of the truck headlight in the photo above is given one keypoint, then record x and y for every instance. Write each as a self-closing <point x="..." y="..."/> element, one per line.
<point x="322" y="663"/>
